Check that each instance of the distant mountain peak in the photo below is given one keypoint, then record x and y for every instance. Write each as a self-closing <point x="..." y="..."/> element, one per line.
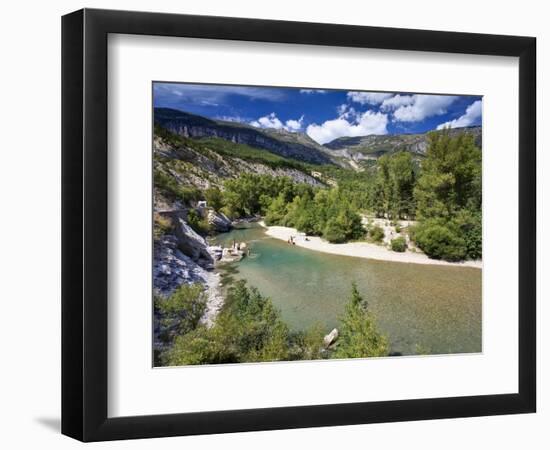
<point x="373" y="146"/>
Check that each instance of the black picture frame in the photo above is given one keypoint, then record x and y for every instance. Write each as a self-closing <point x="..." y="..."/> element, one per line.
<point x="84" y="224"/>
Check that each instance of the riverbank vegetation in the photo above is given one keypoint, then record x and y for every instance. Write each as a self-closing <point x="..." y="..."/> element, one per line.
<point x="250" y="329"/>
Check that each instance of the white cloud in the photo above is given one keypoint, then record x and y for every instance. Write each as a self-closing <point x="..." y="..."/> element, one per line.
<point x="473" y="112"/>
<point x="396" y="101"/>
<point x="272" y="121"/>
<point x="346" y="112"/>
<point x="312" y="91"/>
<point x="367" y="123"/>
<point x="422" y="106"/>
<point x="368" y="98"/>
<point x="294" y="125"/>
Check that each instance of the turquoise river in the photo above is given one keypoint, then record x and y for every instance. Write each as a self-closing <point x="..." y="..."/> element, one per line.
<point x="421" y="308"/>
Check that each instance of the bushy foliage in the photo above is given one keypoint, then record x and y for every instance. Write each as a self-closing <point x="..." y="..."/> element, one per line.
<point x="376" y="233"/>
<point x="359" y="336"/>
<point x="399" y="244"/>
<point x="451" y="177"/>
<point x="180" y="312"/>
<point x="469" y="224"/>
<point x="440" y="241"/>
<point x="454" y="239"/>
<point x="322" y="212"/>
<point x="252" y="194"/>
<point x="345" y="226"/>
<point x="249" y="329"/>
<point x="214" y="198"/>
<point x="197" y="222"/>
<point x="308" y="344"/>
<point x="448" y="195"/>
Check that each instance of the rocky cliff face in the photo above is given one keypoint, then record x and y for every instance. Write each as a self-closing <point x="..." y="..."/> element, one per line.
<point x="189" y="125"/>
<point x="373" y="146"/>
<point x="202" y="168"/>
<point x="182" y="256"/>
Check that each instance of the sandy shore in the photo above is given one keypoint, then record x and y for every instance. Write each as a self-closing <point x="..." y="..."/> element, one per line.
<point x="359" y="249"/>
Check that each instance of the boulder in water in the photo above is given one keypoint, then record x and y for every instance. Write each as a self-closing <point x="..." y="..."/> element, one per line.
<point x="330" y="338"/>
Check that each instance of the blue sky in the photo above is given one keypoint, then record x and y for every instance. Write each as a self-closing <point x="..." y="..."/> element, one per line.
<point x="323" y="114"/>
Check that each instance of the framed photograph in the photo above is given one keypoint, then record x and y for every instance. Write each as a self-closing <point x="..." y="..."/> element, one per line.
<point x="273" y="224"/>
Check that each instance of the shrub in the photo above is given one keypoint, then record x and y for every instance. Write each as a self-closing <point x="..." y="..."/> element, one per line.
<point x="161" y="225"/>
<point x="214" y="198"/>
<point x="308" y="344"/>
<point x="249" y="329"/>
<point x="440" y="242"/>
<point x="181" y="312"/>
<point x="399" y="244"/>
<point x="469" y="226"/>
<point x="376" y="233"/>
<point x="198" y="223"/>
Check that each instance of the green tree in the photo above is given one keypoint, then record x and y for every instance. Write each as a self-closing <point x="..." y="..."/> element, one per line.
<point x="392" y="192"/>
<point x="181" y="312"/>
<point x="451" y="176"/>
<point x="334" y="231"/>
<point x="359" y="336"/>
<point x="448" y="197"/>
<point x="402" y="181"/>
<point x="276" y="211"/>
<point x="214" y="198"/>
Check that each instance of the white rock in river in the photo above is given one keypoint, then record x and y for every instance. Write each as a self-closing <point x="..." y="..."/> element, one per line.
<point x="330" y="338"/>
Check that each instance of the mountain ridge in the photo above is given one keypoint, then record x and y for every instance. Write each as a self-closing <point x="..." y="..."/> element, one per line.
<point x="344" y="151"/>
<point x="373" y="146"/>
<point x="195" y="126"/>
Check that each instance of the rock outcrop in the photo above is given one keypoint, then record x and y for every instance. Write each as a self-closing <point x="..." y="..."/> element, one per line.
<point x="172" y="268"/>
<point x="218" y="221"/>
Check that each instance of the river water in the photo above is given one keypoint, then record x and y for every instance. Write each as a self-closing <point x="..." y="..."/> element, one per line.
<point x="421" y="308"/>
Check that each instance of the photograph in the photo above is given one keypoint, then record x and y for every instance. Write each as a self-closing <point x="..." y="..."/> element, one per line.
<point x="309" y="224"/>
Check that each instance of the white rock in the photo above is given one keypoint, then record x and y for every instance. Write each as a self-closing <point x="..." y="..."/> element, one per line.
<point x="331" y="337"/>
